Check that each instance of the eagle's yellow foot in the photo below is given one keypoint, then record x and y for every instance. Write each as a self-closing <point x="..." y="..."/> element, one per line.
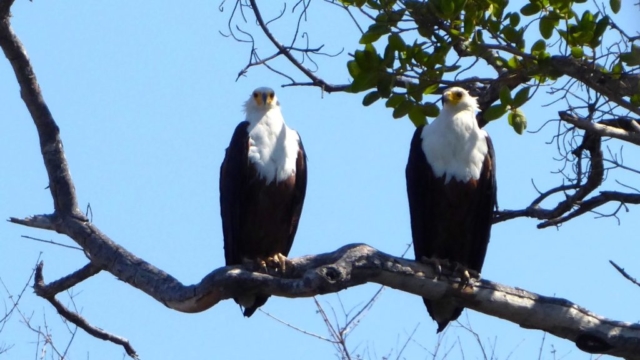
<point x="465" y="274"/>
<point x="278" y="262"/>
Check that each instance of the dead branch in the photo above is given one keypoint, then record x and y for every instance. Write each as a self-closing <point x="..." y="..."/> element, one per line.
<point x="624" y="273"/>
<point x="617" y="132"/>
<point x="49" y="291"/>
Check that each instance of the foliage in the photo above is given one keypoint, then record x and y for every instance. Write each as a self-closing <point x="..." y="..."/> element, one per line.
<point x="413" y="47"/>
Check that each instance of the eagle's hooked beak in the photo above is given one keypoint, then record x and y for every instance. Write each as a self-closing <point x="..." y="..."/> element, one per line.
<point x="264" y="98"/>
<point x="450" y="97"/>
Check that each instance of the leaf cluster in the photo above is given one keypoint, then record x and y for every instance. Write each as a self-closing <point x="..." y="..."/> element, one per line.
<point x="413" y="49"/>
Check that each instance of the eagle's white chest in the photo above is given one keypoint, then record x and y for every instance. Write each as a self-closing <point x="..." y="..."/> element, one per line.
<point x="273" y="147"/>
<point x="455" y="146"/>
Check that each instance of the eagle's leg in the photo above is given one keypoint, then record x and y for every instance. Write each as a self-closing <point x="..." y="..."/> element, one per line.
<point x="436" y="264"/>
<point x="257" y="264"/>
<point x="278" y="261"/>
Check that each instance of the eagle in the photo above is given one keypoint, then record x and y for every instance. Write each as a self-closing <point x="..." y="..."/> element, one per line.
<point x="263" y="180"/>
<point x="451" y="186"/>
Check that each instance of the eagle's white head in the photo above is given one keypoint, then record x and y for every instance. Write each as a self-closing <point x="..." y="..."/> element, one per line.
<point x="261" y="100"/>
<point x="457" y="99"/>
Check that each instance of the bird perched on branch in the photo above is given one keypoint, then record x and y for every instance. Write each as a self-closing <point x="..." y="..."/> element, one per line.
<point x="263" y="180"/>
<point x="451" y="187"/>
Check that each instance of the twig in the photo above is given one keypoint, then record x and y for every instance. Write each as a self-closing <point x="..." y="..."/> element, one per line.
<point x="297" y="328"/>
<point x="51" y="242"/>
<point x="624" y="273"/>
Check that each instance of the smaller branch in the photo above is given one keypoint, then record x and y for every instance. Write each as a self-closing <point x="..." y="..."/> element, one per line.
<point x="407" y="342"/>
<point x="624" y="273"/>
<point x="297" y="328"/>
<point x="51" y="242"/>
<point x="48" y="292"/>
<point x="16" y="301"/>
<point x="600" y="129"/>
<point x="592" y="203"/>
<point x="45" y="222"/>
<point x="314" y="79"/>
<point x="52" y="289"/>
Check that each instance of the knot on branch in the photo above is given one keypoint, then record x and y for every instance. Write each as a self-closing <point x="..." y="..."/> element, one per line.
<point x="592" y="344"/>
<point x="332" y="273"/>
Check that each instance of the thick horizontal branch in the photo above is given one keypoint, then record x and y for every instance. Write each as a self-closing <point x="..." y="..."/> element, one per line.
<point x="357" y="264"/>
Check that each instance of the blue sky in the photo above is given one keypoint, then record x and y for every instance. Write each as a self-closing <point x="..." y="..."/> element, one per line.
<point x="147" y="99"/>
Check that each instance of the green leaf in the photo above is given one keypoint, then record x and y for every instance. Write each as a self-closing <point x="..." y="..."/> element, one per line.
<point x="353" y="68"/>
<point x="370" y="98"/>
<point x="374" y="33"/>
<point x="577" y="52"/>
<point x="514" y="19"/>
<point x="521" y="97"/>
<point x="631" y="58"/>
<point x="362" y="82"/>
<point x="385" y="84"/>
<point x="447" y="7"/>
<point x="417" y="116"/>
<point x="538" y="46"/>
<point x="431" y="110"/>
<point x="396" y="42"/>
<point x="429" y="90"/>
<point x="511" y="34"/>
<point x="360" y="3"/>
<point x="505" y="95"/>
<point x="601" y="27"/>
<point x="494" y="112"/>
<point x="402" y="109"/>
<point x="615" y="5"/>
<point x="546" y="27"/>
<point x="616" y="70"/>
<point x="513" y="63"/>
<point x="394" y="101"/>
<point x="518" y="121"/>
<point x="531" y="9"/>
<point x="389" y="56"/>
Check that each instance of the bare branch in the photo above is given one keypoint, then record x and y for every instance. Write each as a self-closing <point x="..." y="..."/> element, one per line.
<point x="51" y="242"/>
<point x="601" y="129"/>
<point x="308" y="73"/>
<point x="49" y="291"/>
<point x="624" y="273"/>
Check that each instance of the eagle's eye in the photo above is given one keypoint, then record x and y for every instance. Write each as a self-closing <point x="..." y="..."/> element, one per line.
<point x="271" y="95"/>
<point x="255" y="95"/>
<point x="458" y="94"/>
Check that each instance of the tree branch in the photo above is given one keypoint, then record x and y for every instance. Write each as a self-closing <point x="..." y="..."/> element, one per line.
<point x="49" y="291"/>
<point x="605" y="84"/>
<point x="357" y="264"/>
<point x="601" y="129"/>
<point x="60" y="183"/>
<point x="284" y="51"/>
<point x="624" y="273"/>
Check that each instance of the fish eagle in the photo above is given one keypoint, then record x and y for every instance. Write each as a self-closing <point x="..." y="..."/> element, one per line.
<point x="451" y="187"/>
<point x="263" y="180"/>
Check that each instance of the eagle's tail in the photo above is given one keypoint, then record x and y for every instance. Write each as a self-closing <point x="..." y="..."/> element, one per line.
<point x="443" y="311"/>
<point x="250" y="304"/>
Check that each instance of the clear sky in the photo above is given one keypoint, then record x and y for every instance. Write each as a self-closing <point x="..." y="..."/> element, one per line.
<point x="147" y="99"/>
